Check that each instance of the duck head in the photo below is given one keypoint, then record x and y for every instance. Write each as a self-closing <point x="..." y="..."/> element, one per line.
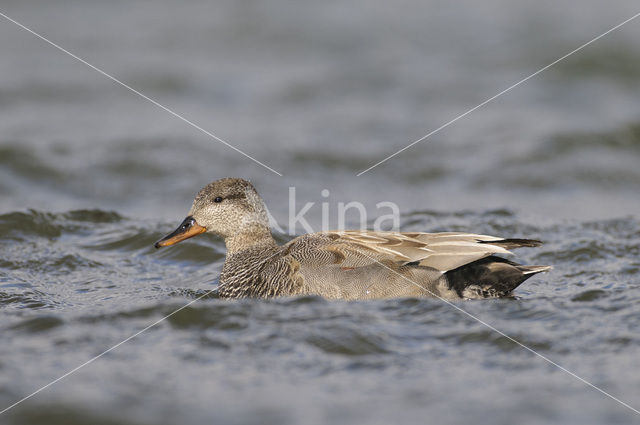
<point x="230" y="208"/>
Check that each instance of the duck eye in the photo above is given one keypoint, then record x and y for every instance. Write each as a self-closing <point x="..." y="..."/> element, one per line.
<point x="218" y="199"/>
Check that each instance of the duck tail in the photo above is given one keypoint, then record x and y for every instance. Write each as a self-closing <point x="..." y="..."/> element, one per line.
<point x="490" y="277"/>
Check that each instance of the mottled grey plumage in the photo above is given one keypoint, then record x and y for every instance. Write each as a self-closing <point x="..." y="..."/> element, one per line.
<point x="346" y="264"/>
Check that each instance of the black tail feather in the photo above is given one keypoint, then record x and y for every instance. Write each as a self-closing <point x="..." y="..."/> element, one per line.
<point x="490" y="277"/>
<point x="515" y="243"/>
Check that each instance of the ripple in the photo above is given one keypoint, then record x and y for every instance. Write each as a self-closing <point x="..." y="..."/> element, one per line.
<point x="620" y="63"/>
<point x="38" y="324"/>
<point x="590" y="295"/>
<point x="332" y="161"/>
<point x="223" y="317"/>
<point x="27" y="300"/>
<point x="496" y="340"/>
<point x="349" y="342"/>
<point x="23" y="162"/>
<point x="589" y="160"/>
<point x="52" y="225"/>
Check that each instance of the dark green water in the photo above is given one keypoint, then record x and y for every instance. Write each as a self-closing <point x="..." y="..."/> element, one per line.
<point x="91" y="175"/>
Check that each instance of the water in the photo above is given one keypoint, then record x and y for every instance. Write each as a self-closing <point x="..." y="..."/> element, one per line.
<point x="91" y="175"/>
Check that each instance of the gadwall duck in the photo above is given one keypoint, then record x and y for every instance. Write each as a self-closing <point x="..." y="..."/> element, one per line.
<point x="347" y="265"/>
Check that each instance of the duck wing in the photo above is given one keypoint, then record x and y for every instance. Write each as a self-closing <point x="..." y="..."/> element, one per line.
<point x="441" y="251"/>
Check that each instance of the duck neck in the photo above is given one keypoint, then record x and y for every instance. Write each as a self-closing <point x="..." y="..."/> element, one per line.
<point x="255" y="236"/>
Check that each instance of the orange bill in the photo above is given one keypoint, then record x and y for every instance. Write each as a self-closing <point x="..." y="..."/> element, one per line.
<point x="186" y="230"/>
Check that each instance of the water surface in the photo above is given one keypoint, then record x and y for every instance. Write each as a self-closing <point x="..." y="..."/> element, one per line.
<point x="91" y="175"/>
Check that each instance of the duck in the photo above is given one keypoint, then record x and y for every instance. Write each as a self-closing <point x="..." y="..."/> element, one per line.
<point x="346" y="264"/>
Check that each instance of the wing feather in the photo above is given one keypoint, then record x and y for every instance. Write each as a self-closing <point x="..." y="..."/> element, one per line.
<point x="441" y="251"/>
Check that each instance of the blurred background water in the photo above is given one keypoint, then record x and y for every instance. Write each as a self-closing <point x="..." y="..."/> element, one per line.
<point x="91" y="175"/>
